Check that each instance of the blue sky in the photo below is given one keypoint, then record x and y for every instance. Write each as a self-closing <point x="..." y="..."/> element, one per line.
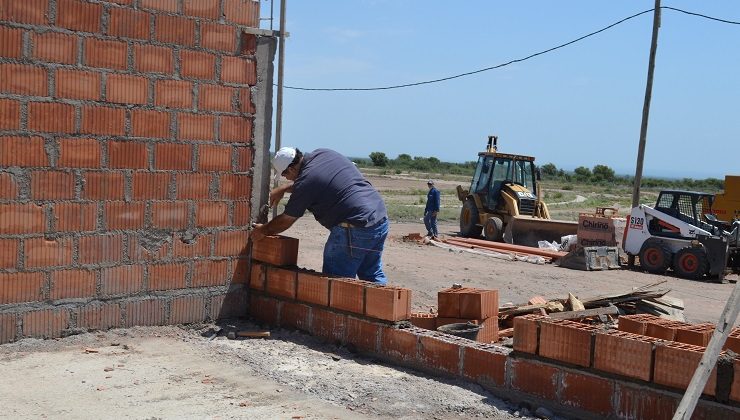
<point x="579" y="105"/>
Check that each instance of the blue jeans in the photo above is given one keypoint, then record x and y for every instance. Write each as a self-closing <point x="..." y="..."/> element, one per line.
<point x="431" y="223"/>
<point x="356" y="251"/>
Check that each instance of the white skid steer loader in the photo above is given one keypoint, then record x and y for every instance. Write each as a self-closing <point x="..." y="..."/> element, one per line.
<point x="680" y="234"/>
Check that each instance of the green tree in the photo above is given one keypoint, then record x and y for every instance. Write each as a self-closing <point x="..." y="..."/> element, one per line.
<point x="582" y="174"/>
<point x="403" y="158"/>
<point x="549" y="169"/>
<point x="602" y="173"/>
<point x="379" y="159"/>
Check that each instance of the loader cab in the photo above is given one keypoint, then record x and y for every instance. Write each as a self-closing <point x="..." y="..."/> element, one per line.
<point x="687" y="206"/>
<point x="495" y="170"/>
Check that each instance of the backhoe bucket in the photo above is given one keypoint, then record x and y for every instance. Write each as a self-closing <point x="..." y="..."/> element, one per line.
<point x="528" y="231"/>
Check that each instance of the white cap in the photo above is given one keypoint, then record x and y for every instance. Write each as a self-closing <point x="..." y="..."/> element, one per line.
<point x="283" y="158"/>
<point x="430" y="182"/>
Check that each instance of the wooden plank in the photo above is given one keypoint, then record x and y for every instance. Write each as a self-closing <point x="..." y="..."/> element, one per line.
<point x="608" y="310"/>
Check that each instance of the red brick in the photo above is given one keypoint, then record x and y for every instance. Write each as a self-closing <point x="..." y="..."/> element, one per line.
<point x="236" y="129"/>
<point x="144" y="312"/>
<point x="641" y="403"/>
<point x="243" y="12"/>
<point x="535" y="378"/>
<point x="635" y="324"/>
<point x="479" y="304"/>
<point x="78" y="15"/>
<point x="74" y="217"/>
<point x="52" y="185"/>
<point x="151" y="185"/>
<point x="243" y="159"/>
<point x="55" y="47"/>
<point x="241" y="213"/>
<point x="214" y="158"/>
<point x="45" y="324"/>
<point x="30" y="11"/>
<point x="167" y="276"/>
<point x="215" y="98"/>
<point x="675" y="364"/>
<point x="8" y="187"/>
<point x="127" y="155"/>
<point x="484" y="364"/>
<point x="733" y="341"/>
<point x="99" y="317"/>
<point x="173" y="93"/>
<point x="151" y="58"/>
<point x="11" y="42"/>
<point x="199" y="246"/>
<point x="347" y="295"/>
<point x="197" y="65"/>
<point x="40" y="252"/>
<point x="170" y="214"/>
<point x="388" y="303"/>
<point x="175" y="30"/>
<point x="424" y="320"/>
<point x="122" y="280"/>
<point x="439" y="354"/>
<point x="236" y="187"/>
<point x="21" y="287"/>
<point x="72" y="284"/>
<point x="399" y="344"/>
<point x="51" y="117"/>
<point x="196" y="127"/>
<point x="202" y="8"/>
<point x="248" y="44"/>
<point x="258" y="277"/>
<point x="276" y="250"/>
<point x="240" y="273"/>
<point x="150" y="124"/>
<point x="121" y="215"/>
<point x="448" y="302"/>
<point x="164" y="5"/>
<point x="7" y="328"/>
<point x="79" y="153"/>
<point x="245" y="104"/>
<point x="625" y="354"/>
<point x="362" y="334"/>
<point x="210" y="273"/>
<point x="295" y="315"/>
<point x="192" y="186"/>
<point x="127" y="89"/>
<point x="217" y="36"/>
<point x="103" y="186"/>
<point x="281" y="282"/>
<point x="263" y="309"/>
<point x="188" y="310"/>
<point x="128" y="2"/>
<point x="73" y="84"/>
<point x="211" y="214"/>
<point x="567" y="341"/>
<point x="23" y="79"/>
<point x="103" y="120"/>
<point x="664" y="329"/>
<point x="526" y="333"/>
<point x="128" y="23"/>
<point x="101" y="249"/>
<point x="231" y="243"/>
<point x="312" y="288"/>
<point x="586" y="392"/>
<point x="157" y="252"/>
<point x="239" y="70"/>
<point x="106" y="54"/>
<point x="697" y="334"/>
<point x="10" y="114"/>
<point x="735" y="389"/>
<point x="328" y="325"/>
<point x="9" y="253"/>
<point x="21" y="218"/>
<point x="22" y="151"/>
<point x="173" y="156"/>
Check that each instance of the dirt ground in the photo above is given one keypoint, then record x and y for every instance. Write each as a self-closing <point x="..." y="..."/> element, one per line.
<point x="172" y="372"/>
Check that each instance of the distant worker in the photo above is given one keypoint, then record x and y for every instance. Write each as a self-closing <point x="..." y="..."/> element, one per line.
<point x="331" y="187"/>
<point x="431" y="210"/>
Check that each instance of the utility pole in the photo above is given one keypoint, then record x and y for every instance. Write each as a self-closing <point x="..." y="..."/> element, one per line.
<point x="645" y="115"/>
<point x="281" y="65"/>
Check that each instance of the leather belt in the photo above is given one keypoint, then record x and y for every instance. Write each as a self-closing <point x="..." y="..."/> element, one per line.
<point x="347" y="225"/>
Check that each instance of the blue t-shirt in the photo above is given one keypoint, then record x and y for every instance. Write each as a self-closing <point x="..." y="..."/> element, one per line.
<point x="433" y="198"/>
<point x="332" y="188"/>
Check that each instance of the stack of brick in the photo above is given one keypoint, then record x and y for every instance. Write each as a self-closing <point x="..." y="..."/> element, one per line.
<point x="125" y="161"/>
<point x="463" y="305"/>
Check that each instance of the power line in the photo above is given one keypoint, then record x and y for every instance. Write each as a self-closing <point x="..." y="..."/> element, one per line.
<point x="518" y="60"/>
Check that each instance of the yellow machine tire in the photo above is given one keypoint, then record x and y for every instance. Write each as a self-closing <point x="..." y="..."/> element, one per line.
<point x="469" y="227"/>
<point x="493" y="230"/>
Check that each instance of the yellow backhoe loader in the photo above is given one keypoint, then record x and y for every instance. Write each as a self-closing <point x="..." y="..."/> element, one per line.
<point x="504" y="201"/>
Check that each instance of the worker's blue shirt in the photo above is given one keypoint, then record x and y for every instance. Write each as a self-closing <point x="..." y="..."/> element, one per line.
<point x="332" y="188"/>
<point x="433" y="198"/>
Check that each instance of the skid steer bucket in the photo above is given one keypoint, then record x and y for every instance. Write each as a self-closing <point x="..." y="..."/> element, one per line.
<point x="528" y="231"/>
<point x="591" y="258"/>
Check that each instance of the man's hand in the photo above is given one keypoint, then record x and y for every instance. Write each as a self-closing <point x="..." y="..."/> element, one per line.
<point x="257" y="232"/>
<point x="434" y="213"/>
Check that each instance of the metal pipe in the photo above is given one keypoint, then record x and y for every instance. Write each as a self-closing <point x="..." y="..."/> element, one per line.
<point x="281" y="65"/>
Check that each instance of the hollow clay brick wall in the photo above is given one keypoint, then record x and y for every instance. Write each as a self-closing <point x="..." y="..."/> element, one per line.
<point x="125" y="162"/>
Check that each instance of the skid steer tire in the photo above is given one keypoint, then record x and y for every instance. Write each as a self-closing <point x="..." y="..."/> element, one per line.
<point x="469" y="227"/>
<point x="494" y="229"/>
<point x="655" y="257"/>
<point x="691" y="263"/>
